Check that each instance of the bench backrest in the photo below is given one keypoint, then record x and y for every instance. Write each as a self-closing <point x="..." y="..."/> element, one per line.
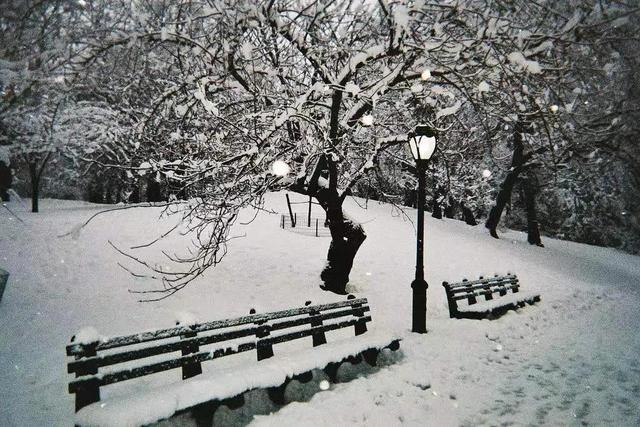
<point x="261" y="331"/>
<point x="471" y="290"/>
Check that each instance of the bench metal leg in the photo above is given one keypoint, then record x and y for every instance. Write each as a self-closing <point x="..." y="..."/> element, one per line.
<point x="354" y="360"/>
<point x="88" y="392"/>
<point x="304" y="377"/>
<point x="332" y="371"/>
<point x="203" y="414"/>
<point x="394" y="346"/>
<point x="276" y="394"/>
<point x="371" y="356"/>
<point x="234" y="402"/>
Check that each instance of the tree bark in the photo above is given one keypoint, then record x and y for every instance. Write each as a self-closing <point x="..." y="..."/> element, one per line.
<point x="467" y="213"/>
<point x="436" y="210"/>
<point x="342" y="252"/>
<point x="346" y="238"/>
<point x="35" y="174"/>
<point x="506" y="188"/>
<point x="6" y="178"/>
<point x="346" y="235"/>
<point x="533" y="230"/>
<point x="450" y="208"/>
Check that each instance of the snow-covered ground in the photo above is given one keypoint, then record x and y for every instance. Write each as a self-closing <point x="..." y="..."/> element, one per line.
<point x="571" y="359"/>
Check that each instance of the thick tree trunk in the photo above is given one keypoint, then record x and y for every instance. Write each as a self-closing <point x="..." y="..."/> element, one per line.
<point x="469" y="218"/>
<point x="450" y="208"/>
<point x="346" y="235"/>
<point x="436" y="211"/>
<point x="346" y="238"/>
<point x="154" y="191"/>
<point x="506" y="188"/>
<point x="533" y="230"/>
<point x="35" y="174"/>
<point x="341" y="254"/>
<point x="504" y="195"/>
<point x="6" y="179"/>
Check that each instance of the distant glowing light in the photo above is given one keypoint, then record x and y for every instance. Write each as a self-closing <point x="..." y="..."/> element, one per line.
<point x="426" y="74"/>
<point x="554" y="109"/>
<point x="324" y="385"/>
<point x="280" y="168"/>
<point x="486" y="173"/>
<point x="367" y="120"/>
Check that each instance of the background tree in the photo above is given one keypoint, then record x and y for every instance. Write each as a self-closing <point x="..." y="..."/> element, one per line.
<point x="196" y="100"/>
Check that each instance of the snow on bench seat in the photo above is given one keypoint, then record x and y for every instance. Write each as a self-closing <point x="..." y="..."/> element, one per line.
<point x="163" y="401"/>
<point x="504" y="303"/>
<point x="499" y="293"/>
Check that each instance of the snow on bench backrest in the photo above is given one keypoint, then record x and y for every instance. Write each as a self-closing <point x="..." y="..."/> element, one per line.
<point x="264" y="331"/>
<point x="470" y="290"/>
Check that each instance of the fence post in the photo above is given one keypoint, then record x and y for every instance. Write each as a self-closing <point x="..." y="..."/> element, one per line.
<point x="293" y="221"/>
<point x="309" y="215"/>
<point x="316" y="227"/>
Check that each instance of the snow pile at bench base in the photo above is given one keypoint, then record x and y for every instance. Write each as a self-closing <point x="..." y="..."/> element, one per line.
<point x="162" y="402"/>
<point x="502" y="303"/>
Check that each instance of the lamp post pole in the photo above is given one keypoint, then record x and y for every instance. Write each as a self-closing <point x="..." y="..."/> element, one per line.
<point x="422" y="144"/>
<point x="419" y="285"/>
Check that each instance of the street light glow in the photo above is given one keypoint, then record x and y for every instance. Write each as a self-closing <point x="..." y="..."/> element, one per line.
<point x="426" y="74"/>
<point x="486" y="173"/>
<point x="554" y="108"/>
<point x="367" y="120"/>
<point x="280" y="168"/>
<point x="422" y="143"/>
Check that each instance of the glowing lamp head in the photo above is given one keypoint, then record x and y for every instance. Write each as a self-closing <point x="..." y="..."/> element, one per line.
<point x="367" y="120"/>
<point x="422" y="142"/>
<point x="426" y="74"/>
<point x="554" y="109"/>
<point x="486" y="173"/>
<point x="280" y="168"/>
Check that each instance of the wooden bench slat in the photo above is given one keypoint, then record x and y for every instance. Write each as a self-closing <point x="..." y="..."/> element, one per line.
<point x="481" y="285"/>
<point x="499" y="306"/>
<point x="78" y="349"/>
<point x="484" y="279"/>
<point x="483" y="292"/>
<point x="113" y="377"/>
<point x="487" y="287"/>
<point x="111" y="359"/>
<point x="308" y="332"/>
<point x="166" y="365"/>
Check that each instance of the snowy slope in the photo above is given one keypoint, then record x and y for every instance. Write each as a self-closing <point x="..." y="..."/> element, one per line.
<point x="569" y="360"/>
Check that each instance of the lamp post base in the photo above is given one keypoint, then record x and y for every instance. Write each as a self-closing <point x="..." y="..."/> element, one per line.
<point x="419" y="323"/>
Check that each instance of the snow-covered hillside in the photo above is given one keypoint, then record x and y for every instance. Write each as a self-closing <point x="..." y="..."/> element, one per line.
<point x="571" y="359"/>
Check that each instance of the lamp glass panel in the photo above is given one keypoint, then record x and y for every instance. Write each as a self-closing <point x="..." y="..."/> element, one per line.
<point x="423" y="147"/>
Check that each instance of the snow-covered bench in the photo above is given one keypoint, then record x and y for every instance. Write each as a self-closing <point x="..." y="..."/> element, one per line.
<point x="226" y="385"/>
<point x="496" y="298"/>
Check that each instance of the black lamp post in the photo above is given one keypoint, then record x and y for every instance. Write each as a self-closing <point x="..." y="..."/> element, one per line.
<point x="422" y="143"/>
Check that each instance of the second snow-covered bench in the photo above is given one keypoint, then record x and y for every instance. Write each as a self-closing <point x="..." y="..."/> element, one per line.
<point x="258" y="332"/>
<point x="497" y="299"/>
